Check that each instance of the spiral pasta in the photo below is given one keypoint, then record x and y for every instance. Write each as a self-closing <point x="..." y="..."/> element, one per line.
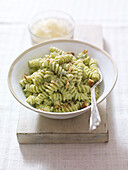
<point x="31" y="100"/>
<point x="95" y="73"/>
<point x="83" y="88"/>
<point x="61" y="81"/>
<point x="63" y="58"/>
<point x="35" y="63"/>
<point x="66" y="66"/>
<point x="57" y="50"/>
<point x="40" y="98"/>
<point x="67" y="107"/>
<point x="54" y="66"/>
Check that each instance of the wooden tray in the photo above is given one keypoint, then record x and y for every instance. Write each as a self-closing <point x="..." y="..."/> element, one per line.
<point x="34" y="128"/>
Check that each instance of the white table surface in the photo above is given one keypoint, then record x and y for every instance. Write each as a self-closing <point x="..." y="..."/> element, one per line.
<point x="112" y="15"/>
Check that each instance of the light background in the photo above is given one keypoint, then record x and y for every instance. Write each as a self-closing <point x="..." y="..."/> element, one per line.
<point x="112" y="15"/>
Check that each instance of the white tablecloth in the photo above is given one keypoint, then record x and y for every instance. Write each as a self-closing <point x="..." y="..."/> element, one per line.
<point x="112" y="15"/>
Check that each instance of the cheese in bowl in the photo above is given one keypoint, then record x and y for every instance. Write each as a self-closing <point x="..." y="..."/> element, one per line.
<point x="51" y="25"/>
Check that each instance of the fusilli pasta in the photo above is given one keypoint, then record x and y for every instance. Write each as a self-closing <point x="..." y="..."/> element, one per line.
<point x="61" y="81"/>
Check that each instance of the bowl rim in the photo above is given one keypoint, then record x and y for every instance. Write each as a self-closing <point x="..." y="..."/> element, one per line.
<point x="50" y="11"/>
<point x="56" y="41"/>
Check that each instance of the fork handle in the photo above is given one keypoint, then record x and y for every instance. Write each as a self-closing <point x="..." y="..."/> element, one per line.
<point x="95" y="116"/>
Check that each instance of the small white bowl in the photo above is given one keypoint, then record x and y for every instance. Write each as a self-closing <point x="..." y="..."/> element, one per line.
<point x="20" y="66"/>
<point x="62" y="18"/>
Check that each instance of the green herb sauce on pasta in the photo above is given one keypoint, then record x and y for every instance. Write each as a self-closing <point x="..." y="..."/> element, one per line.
<point x="60" y="81"/>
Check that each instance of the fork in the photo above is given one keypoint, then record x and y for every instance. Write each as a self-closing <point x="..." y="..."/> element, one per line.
<point x="95" y="116"/>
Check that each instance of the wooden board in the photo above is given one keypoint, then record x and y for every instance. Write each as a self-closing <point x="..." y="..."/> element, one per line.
<point x="34" y="128"/>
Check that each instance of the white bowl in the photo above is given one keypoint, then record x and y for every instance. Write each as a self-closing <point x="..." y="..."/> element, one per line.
<point x="61" y="17"/>
<point x="20" y="66"/>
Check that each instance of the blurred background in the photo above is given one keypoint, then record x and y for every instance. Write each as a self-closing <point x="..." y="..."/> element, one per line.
<point x="110" y="12"/>
<point x="16" y="14"/>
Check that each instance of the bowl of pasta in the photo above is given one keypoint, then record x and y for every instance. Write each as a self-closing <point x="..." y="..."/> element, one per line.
<point x="54" y="78"/>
